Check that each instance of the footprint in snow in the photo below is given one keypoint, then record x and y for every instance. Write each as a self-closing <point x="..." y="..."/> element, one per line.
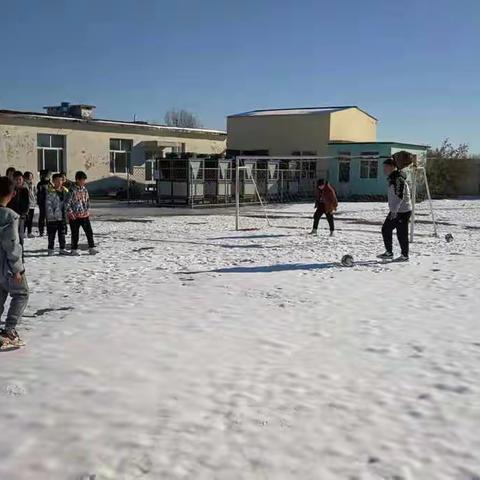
<point x="460" y="389"/>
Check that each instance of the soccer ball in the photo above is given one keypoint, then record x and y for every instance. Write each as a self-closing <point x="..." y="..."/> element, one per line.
<point x="347" y="261"/>
<point x="449" y="237"/>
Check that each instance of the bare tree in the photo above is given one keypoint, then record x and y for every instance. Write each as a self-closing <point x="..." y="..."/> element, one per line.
<point x="448" y="167"/>
<point x="182" y="118"/>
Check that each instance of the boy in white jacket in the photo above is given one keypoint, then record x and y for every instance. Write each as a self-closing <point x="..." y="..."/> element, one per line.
<point x="400" y="206"/>
<point x="13" y="281"/>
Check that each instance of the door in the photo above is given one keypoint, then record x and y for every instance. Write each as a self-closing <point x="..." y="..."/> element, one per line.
<point x="344" y="178"/>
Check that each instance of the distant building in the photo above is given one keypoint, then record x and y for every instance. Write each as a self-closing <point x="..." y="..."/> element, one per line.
<point x="68" y="137"/>
<point x="356" y="168"/>
<point x="340" y="135"/>
<point x="300" y="131"/>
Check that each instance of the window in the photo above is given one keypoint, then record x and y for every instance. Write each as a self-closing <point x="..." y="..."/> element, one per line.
<point x="164" y="169"/>
<point x="344" y="171"/>
<point x="120" y="155"/>
<point x="149" y="170"/>
<point x="309" y="168"/>
<point x="151" y="165"/>
<point x="304" y="153"/>
<point x="50" y="152"/>
<point x="369" y="169"/>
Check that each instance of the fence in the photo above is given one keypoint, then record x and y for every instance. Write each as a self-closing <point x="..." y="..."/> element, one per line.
<point x="141" y="186"/>
<point x="204" y="182"/>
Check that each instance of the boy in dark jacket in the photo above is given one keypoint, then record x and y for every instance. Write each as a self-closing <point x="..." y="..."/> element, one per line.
<point x="78" y="212"/>
<point x="12" y="272"/>
<point x="10" y="172"/>
<point x="28" y="177"/>
<point x="42" y="187"/>
<point x="325" y="203"/>
<point x="20" y="203"/>
<point x="56" y="214"/>
<point x="68" y="184"/>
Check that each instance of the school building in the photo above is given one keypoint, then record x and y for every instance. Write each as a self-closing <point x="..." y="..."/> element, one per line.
<point x="356" y="168"/>
<point x="68" y="137"/>
<point x="344" y="137"/>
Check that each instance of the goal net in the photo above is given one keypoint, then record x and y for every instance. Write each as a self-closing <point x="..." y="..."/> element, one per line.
<point x="263" y="182"/>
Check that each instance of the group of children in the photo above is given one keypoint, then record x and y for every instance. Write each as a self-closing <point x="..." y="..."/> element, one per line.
<point x="70" y="204"/>
<point x="61" y="203"/>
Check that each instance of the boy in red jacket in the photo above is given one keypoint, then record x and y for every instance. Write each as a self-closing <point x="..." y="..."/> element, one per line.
<point x="325" y="203"/>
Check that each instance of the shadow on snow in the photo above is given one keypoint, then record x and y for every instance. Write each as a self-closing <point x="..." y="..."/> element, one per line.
<point x="284" y="267"/>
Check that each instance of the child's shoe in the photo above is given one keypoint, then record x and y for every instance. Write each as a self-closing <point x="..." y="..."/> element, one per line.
<point x="64" y="252"/>
<point x="10" y="337"/>
<point x="51" y="252"/>
<point x="75" y="253"/>
<point x="92" y="251"/>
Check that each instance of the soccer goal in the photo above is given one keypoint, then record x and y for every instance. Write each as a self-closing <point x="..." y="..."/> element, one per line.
<point x="263" y="180"/>
<point x="260" y="180"/>
<point x="245" y="171"/>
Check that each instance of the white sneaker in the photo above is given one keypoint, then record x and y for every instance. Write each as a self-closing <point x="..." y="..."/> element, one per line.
<point x="386" y="256"/>
<point x="75" y="253"/>
<point x="51" y="252"/>
<point x="64" y="252"/>
<point x="92" y="251"/>
<point x="313" y="232"/>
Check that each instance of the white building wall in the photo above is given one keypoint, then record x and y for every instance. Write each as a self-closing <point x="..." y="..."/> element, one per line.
<point x="89" y="149"/>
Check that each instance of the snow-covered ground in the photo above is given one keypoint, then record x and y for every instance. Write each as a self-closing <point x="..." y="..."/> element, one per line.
<point x="186" y="350"/>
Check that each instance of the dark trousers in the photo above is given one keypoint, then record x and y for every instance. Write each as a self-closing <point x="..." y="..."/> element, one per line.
<point x="52" y="229"/>
<point x="41" y="220"/>
<point x="318" y="215"/>
<point x="399" y="223"/>
<point x="29" y="221"/>
<point x="75" y="229"/>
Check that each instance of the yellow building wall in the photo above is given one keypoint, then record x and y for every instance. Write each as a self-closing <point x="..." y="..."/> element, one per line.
<point x="352" y="125"/>
<point x="279" y="134"/>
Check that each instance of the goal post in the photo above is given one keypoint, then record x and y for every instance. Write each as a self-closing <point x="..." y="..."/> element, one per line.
<point x="239" y="169"/>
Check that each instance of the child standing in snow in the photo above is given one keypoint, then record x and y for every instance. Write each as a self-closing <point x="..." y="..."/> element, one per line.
<point x="20" y="203"/>
<point x="56" y="214"/>
<point x="12" y="272"/>
<point x="42" y="187"/>
<point x="78" y="211"/>
<point x="400" y="205"/>
<point x="28" y="177"/>
<point x="325" y="203"/>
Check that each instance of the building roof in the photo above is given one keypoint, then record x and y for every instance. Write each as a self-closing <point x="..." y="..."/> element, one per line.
<point x="99" y="121"/>
<point x="82" y="105"/>
<point x="298" y="111"/>
<point x="397" y="144"/>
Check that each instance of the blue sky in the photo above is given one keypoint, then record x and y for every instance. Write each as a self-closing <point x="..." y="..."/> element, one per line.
<point x="414" y="64"/>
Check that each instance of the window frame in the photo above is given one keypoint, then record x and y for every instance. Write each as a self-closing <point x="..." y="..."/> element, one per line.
<point x="368" y="166"/>
<point x="47" y="147"/>
<point x="114" y="152"/>
<point x="344" y="158"/>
